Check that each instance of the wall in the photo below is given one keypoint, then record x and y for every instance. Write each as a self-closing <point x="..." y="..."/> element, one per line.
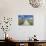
<point x="12" y="8"/>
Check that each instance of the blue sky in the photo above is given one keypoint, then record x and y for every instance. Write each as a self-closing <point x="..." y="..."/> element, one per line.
<point x="25" y="16"/>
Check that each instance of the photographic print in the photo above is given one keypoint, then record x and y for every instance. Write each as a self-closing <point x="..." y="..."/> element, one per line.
<point x="25" y="20"/>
